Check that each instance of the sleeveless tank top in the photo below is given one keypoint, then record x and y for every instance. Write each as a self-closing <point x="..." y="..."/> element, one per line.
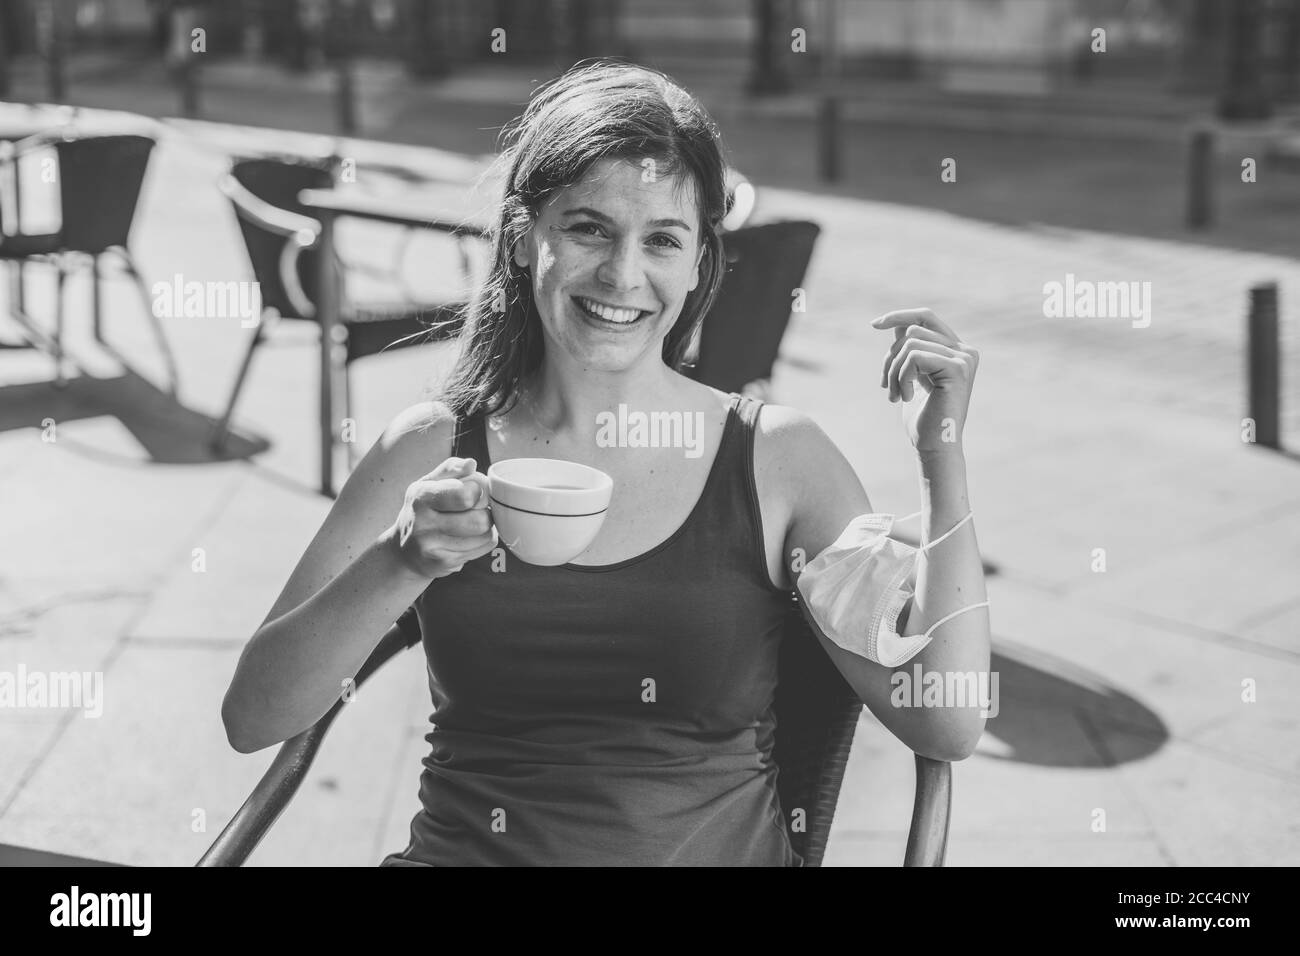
<point x="609" y="715"/>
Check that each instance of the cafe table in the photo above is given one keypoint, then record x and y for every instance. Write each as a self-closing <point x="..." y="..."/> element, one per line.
<point x="440" y="211"/>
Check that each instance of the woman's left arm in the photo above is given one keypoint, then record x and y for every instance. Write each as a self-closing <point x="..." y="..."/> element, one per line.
<point x="930" y="367"/>
<point x="825" y="494"/>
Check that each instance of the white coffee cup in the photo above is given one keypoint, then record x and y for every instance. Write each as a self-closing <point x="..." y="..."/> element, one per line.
<point x="547" y="510"/>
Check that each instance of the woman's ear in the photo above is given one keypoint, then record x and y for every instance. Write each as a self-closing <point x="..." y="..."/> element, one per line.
<point x="520" y="253"/>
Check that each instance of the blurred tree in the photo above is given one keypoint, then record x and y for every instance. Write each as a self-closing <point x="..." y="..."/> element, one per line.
<point x="1290" y="52"/>
<point x="4" y="51"/>
<point x="339" y="30"/>
<point x="768" y="72"/>
<point x="49" y="40"/>
<point x="423" y="33"/>
<point x="1244" y="96"/>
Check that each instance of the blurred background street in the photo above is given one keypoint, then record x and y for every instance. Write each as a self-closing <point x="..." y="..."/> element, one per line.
<point x="1157" y="688"/>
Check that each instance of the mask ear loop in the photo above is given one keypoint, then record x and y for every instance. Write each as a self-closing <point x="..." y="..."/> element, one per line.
<point x="926" y="547"/>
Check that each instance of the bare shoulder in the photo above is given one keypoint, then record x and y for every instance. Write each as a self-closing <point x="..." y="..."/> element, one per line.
<point x="419" y="434"/>
<point x="429" y="420"/>
<point x="804" y="478"/>
<point x="791" y="449"/>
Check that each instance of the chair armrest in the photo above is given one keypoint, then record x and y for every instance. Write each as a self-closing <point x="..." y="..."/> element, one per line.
<point x="289" y="768"/>
<point x="927" y="840"/>
<point x="262" y="213"/>
<point x="289" y="278"/>
<point x="300" y="232"/>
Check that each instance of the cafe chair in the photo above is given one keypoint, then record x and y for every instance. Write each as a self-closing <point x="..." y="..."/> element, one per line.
<point x="740" y="337"/>
<point x="816" y="715"/>
<point x="100" y="178"/>
<point x="282" y="244"/>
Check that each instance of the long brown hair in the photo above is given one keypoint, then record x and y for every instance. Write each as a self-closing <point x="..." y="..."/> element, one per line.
<point x="596" y="110"/>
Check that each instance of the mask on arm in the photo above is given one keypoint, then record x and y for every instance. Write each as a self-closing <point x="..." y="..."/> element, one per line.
<point x="856" y="588"/>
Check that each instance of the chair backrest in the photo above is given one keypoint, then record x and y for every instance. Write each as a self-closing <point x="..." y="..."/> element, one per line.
<point x="741" y="335"/>
<point x="100" y="178"/>
<point x="278" y="181"/>
<point x="816" y="714"/>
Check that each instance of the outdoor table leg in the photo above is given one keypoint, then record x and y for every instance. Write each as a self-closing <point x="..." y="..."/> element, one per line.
<point x="327" y="311"/>
<point x="18" y="227"/>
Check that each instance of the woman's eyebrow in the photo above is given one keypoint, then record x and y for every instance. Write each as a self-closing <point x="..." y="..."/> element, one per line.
<point x="600" y="216"/>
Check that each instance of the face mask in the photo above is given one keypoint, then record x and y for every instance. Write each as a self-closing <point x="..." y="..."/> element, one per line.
<point x="857" y="587"/>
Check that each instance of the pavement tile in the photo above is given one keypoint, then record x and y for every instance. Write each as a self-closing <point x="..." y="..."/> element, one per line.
<point x="72" y="632"/>
<point x="1208" y="812"/>
<point x="1190" y="584"/>
<point x="125" y="787"/>
<point x="194" y="604"/>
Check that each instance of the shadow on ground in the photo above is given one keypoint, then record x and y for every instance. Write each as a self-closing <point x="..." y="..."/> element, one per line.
<point x="168" y="432"/>
<point x="1054" y="714"/>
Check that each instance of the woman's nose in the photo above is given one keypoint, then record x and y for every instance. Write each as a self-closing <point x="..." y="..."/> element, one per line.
<point x="621" y="268"/>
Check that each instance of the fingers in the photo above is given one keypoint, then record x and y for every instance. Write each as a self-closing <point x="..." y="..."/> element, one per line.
<point x="452" y="468"/>
<point x="922" y="317"/>
<point x="449" y="555"/>
<point x="473" y="523"/>
<point x="445" y="521"/>
<point x="453" y="486"/>
<point x="479" y="479"/>
<point x="467" y="549"/>
<point x="903" y="333"/>
<point x="916" y="358"/>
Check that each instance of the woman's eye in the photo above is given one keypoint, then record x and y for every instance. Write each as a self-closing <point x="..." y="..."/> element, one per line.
<point x="586" y="228"/>
<point x="669" y="242"/>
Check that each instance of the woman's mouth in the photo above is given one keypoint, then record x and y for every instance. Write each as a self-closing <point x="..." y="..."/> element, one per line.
<point x="608" y="314"/>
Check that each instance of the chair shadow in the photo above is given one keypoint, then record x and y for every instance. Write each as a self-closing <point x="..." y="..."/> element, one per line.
<point x="168" y="432"/>
<point x="1052" y="713"/>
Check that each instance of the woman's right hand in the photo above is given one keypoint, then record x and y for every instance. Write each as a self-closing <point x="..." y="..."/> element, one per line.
<point x="444" y="521"/>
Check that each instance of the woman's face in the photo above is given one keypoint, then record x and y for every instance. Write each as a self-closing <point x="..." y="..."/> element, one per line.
<point x="612" y="258"/>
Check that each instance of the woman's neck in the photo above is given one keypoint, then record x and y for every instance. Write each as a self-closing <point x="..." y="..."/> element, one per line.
<point x="570" y="406"/>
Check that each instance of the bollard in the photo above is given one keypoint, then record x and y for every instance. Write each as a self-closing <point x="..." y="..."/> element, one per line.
<point x="1263" y="378"/>
<point x="183" y="59"/>
<point x="1200" y="170"/>
<point x="828" y="138"/>
<point x="345" y="99"/>
<point x="189" y="89"/>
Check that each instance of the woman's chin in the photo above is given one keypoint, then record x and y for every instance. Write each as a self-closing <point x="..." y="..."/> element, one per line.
<point x="605" y="350"/>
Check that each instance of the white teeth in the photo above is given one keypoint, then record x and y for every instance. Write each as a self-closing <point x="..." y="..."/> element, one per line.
<point x="607" y="313"/>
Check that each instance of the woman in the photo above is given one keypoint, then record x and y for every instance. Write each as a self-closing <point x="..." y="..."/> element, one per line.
<point x="617" y="709"/>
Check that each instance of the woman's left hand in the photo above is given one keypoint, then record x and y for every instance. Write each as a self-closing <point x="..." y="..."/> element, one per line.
<point x="926" y="352"/>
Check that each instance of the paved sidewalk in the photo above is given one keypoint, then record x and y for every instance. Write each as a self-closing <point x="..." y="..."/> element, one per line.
<point x="1121" y="691"/>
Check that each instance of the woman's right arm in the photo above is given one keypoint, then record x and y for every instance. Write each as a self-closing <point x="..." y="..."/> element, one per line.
<point x="395" y="527"/>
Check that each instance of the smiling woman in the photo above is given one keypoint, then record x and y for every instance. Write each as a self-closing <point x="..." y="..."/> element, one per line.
<point x="611" y="168"/>
<point x="618" y="708"/>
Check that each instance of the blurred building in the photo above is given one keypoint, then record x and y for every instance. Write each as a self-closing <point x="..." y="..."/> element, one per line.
<point x="1015" y="47"/>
